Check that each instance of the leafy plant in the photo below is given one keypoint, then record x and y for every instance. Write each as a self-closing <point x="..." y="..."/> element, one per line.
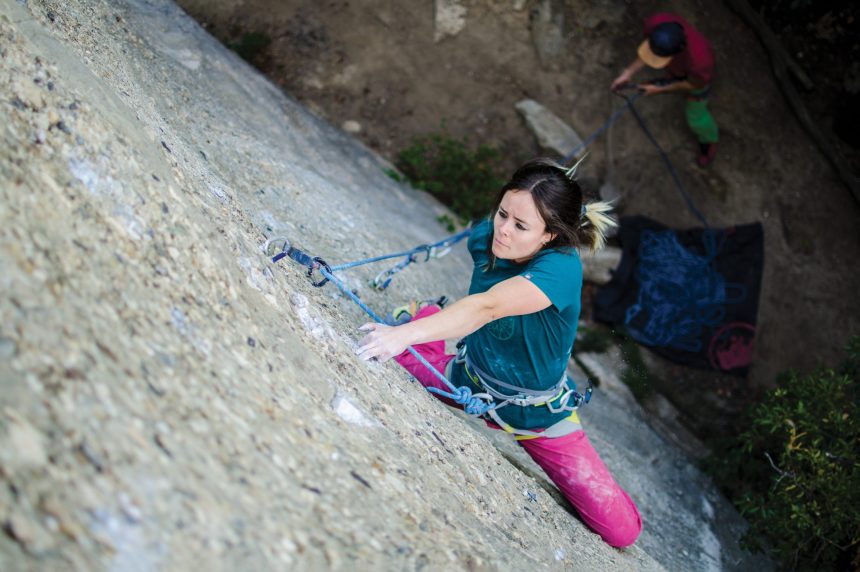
<point x="447" y="222"/>
<point x="593" y="340"/>
<point x="393" y="175"/>
<point x="250" y="45"/>
<point x="466" y="180"/>
<point x="794" y="471"/>
<point x="636" y="374"/>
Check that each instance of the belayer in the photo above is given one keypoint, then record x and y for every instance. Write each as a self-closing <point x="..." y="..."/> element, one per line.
<point x="518" y="325"/>
<point x="673" y="44"/>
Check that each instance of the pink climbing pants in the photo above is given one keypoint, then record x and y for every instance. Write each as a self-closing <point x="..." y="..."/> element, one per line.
<point x="576" y="469"/>
<point x="570" y="461"/>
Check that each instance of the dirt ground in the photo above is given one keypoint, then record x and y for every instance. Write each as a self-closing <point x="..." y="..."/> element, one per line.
<point x="376" y="63"/>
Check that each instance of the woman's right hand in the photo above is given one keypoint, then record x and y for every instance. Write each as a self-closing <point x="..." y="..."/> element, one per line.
<point x="382" y="342"/>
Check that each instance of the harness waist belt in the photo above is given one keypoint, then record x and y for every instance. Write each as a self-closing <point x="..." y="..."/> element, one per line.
<point x="523" y="397"/>
<point x="561" y="392"/>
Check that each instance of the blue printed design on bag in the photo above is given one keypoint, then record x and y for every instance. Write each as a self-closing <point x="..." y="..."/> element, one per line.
<point x="680" y="293"/>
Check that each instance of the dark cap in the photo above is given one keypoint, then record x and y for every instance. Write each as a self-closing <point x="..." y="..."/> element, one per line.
<point x="664" y="41"/>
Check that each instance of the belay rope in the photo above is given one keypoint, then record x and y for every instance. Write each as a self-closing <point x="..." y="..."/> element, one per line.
<point x="629" y="100"/>
<point x="477" y="404"/>
<point x="473" y="404"/>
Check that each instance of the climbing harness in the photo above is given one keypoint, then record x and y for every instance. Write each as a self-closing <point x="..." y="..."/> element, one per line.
<point x="567" y="398"/>
<point x="477" y="404"/>
<point x="560" y="392"/>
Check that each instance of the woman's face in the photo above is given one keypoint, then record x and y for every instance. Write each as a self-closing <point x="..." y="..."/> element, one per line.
<point x="518" y="229"/>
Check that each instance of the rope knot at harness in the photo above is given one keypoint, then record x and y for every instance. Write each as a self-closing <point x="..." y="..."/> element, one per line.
<point x="477" y="404"/>
<point x="472" y="404"/>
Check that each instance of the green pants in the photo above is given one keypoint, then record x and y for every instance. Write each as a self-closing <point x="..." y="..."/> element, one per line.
<point x="699" y="119"/>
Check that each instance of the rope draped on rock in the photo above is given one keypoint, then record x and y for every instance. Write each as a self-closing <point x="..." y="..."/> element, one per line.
<point x="474" y="404"/>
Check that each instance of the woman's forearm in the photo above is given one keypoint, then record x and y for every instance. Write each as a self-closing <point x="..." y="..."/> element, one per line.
<point x="512" y="297"/>
<point x="457" y="320"/>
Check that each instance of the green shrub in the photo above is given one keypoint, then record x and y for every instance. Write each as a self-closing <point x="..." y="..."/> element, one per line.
<point x="466" y="180"/>
<point x="447" y="222"/>
<point x="636" y="374"/>
<point x="794" y="470"/>
<point x="250" y="45"/>
<point x="594" y="340"/>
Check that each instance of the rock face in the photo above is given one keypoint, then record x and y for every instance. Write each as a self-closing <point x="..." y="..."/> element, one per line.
<point x="598" y="267"/>
<point x="550" y="130"/>
<point x="450" y="18"/>
<point x="547" y="28"/>
<point x="172" y="400"/>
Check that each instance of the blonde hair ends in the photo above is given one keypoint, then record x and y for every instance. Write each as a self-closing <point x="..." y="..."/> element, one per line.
<point x="597" y="223"/>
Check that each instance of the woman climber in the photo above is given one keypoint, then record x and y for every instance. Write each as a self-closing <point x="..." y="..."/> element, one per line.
<point x="519" y="323"/>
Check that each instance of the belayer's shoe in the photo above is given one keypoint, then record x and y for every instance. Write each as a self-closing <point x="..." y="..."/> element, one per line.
<point x="404" y="314"/>
<point x="707" y="152"/>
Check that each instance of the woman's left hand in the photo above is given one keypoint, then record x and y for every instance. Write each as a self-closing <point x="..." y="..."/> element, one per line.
<point x="382" y="343"/>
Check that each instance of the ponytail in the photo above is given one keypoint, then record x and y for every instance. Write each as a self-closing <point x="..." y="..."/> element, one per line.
<point x="596" y="222"/>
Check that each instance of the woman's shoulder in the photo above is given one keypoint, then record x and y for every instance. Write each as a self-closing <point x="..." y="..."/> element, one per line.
<point x="558" y="274"/>
<point x="481" y="231"/>
<point x="566" y="256"/>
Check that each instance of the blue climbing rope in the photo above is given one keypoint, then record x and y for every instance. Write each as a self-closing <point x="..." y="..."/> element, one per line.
<point x="671" y="168"/>
<point x="606" y="125"/>
<point x="477" y="404"/>
<point x="628" y="104"/>
<point x="427" y="249"/>
<point x="680" y="292"/>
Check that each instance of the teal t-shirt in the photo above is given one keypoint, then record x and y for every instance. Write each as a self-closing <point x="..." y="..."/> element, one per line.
<point x="532" y="350"/>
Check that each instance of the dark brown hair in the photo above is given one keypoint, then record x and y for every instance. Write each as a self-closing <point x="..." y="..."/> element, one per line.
<point x="559" y="202"/>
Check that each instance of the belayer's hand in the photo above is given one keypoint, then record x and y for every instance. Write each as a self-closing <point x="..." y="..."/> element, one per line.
<point x="382" y="343"/>
<point x="649" y="88"/>
<point x="619" y="82"/>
